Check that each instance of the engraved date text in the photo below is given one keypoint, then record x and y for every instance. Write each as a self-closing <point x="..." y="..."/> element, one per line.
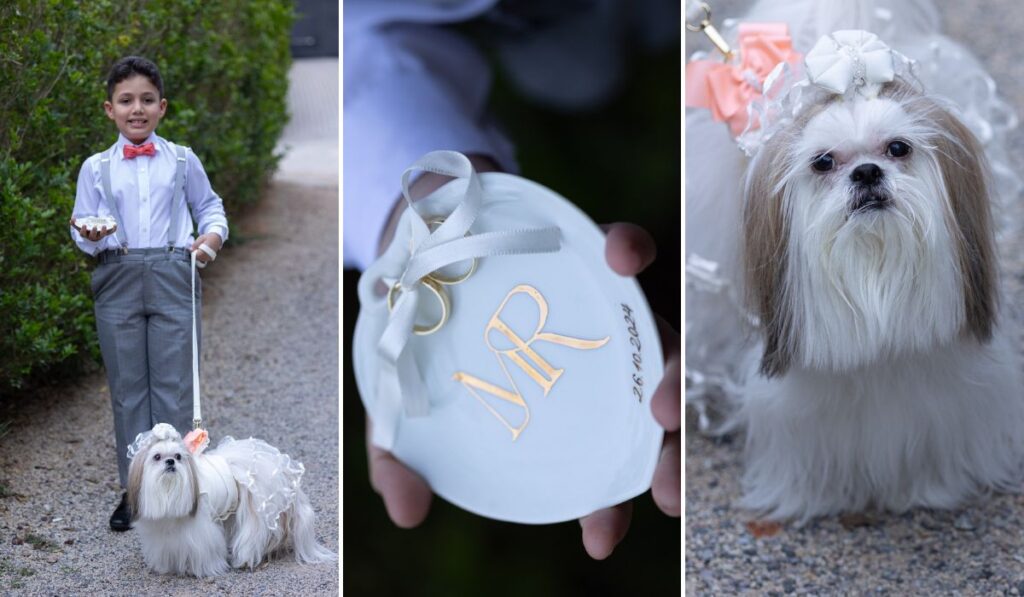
<point x="634" y="341"/>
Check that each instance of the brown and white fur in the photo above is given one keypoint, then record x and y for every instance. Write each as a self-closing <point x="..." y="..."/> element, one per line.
<point x="887" y="378"/>
<point x="194" y="518"/>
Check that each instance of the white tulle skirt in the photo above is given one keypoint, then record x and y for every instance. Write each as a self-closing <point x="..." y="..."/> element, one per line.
<point x="271" y="477"/>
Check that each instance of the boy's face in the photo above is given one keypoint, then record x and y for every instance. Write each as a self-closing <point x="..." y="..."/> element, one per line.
<point x="136" y="108"/>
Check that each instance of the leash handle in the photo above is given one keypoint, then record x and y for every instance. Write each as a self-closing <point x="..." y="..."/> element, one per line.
<point x="197" y="414"/>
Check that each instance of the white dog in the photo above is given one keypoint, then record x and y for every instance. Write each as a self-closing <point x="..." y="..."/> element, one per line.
<point x="238" y="504"/>
<point x="886" y="377"/>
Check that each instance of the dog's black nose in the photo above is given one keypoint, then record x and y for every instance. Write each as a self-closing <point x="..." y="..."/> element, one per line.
<point x="866" y="174"/>
<point x="169" y="462"/>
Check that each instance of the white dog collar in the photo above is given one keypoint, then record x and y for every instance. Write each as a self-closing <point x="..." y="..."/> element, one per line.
<point x="530" y="402"/>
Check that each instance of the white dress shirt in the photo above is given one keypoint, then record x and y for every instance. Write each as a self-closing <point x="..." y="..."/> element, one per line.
<point x="143" y="188"/>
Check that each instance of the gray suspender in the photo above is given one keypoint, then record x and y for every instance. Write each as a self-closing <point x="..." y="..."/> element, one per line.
<point x="109" y="196"/>
<point x="176" y="200"/>
<point x="179" y="195"/>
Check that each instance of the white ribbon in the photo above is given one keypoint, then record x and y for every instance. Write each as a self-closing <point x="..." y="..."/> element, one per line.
<point x="851" y="58"/>
<point x="399" y="383"/>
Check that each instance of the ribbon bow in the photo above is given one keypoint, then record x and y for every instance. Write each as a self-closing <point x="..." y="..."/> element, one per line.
<point x="133" y="151"/>
<point x="727" y="89"/>
<point x="398" y="380"/>
<point x="851" y="58"/>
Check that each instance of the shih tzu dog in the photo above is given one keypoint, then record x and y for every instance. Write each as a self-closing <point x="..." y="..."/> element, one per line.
<point x="205" y="512"/>
<point x="886" y="377"/>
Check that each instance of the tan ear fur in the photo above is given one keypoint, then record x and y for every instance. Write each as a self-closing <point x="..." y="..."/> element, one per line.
<point x="964" y="172"/>
<point x="765" y="247"/>
<point x="135" y="482"/>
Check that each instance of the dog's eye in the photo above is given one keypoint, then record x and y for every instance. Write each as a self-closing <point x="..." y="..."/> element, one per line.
<point x="177" y="456"/>
<point x="156" y="457"/>
<point x="897" y="149"/>
<point x="823" y="163"/>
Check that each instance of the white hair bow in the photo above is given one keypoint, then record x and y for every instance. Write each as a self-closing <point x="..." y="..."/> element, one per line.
<point x="160" y="432"/>
<point x="850" y="59"/>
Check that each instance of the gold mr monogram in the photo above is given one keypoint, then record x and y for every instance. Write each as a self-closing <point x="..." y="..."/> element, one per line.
<point x="537" y="368"/>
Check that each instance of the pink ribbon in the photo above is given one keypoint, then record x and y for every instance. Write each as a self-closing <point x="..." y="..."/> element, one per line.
<point x="727" y="89"/>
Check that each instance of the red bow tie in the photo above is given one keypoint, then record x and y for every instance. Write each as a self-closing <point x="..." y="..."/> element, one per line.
<point x="131" y="152"/>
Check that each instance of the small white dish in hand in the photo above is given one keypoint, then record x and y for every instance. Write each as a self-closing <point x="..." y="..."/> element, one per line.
<point x="96" y="223"/>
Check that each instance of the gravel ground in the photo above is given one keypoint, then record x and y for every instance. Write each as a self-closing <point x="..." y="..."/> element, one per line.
<point x="972" y="551"/>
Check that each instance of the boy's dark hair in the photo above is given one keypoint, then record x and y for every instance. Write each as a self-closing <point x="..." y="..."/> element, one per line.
<point x="130" y="66"/>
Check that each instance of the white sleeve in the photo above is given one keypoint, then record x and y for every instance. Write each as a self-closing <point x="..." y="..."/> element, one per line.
<point x="409" y="90"/>
<point x="207" y="207"/>
<point x="87" y="203"/>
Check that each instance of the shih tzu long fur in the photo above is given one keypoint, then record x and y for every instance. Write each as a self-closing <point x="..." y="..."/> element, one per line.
<point x="887" y="378"/>
<point x="199" y="515"/>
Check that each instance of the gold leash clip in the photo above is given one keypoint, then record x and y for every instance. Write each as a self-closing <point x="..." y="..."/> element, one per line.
<point x="711" y="32"/>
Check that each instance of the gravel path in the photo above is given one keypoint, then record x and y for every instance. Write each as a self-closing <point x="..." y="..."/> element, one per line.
<point x="270" y="370"/>
<point x="973" y="551"/>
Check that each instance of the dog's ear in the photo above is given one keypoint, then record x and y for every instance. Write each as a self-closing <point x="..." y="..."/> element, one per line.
<point x="765" y="253"/>
<point x="961" y="159"/>
<point x="135" y="482"/>
<point x="964" y="172"/>
<point x="194" y="473"/>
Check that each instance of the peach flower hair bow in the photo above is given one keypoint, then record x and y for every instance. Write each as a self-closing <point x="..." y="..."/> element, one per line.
<point x="728" y="88"/>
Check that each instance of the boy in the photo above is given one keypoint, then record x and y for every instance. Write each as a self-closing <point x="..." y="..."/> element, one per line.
<point x="142" y="283"/>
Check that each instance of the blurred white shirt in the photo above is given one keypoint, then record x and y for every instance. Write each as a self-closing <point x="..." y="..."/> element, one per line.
<point x="412" y="86"/>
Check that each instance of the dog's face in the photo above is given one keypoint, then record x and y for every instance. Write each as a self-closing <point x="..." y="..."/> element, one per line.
<point x="868" y="234"/>
<point x="162" y="482"/>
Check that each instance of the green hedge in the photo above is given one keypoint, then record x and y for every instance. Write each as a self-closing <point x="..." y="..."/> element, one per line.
<point x="225" y="66"/>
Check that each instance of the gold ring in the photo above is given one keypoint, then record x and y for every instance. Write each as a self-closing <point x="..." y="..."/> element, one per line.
<point x="457" y="279"/>
<point x="438" y="220"/>
<point x="442" y="296"/>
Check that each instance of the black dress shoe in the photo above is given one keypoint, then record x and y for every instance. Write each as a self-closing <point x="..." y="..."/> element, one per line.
<point x="121" y="519"/>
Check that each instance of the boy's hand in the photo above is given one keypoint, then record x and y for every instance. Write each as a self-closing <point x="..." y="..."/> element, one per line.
<point x="93" y="234"/>
<point x="210" y="239"/>
<point x="628" y="250"/>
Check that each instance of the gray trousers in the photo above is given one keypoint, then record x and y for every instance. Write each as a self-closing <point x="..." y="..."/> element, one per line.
<point x="144" y="320"/>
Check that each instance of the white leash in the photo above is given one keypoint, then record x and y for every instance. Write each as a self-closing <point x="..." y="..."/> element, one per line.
<point x="197" y="414"/>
